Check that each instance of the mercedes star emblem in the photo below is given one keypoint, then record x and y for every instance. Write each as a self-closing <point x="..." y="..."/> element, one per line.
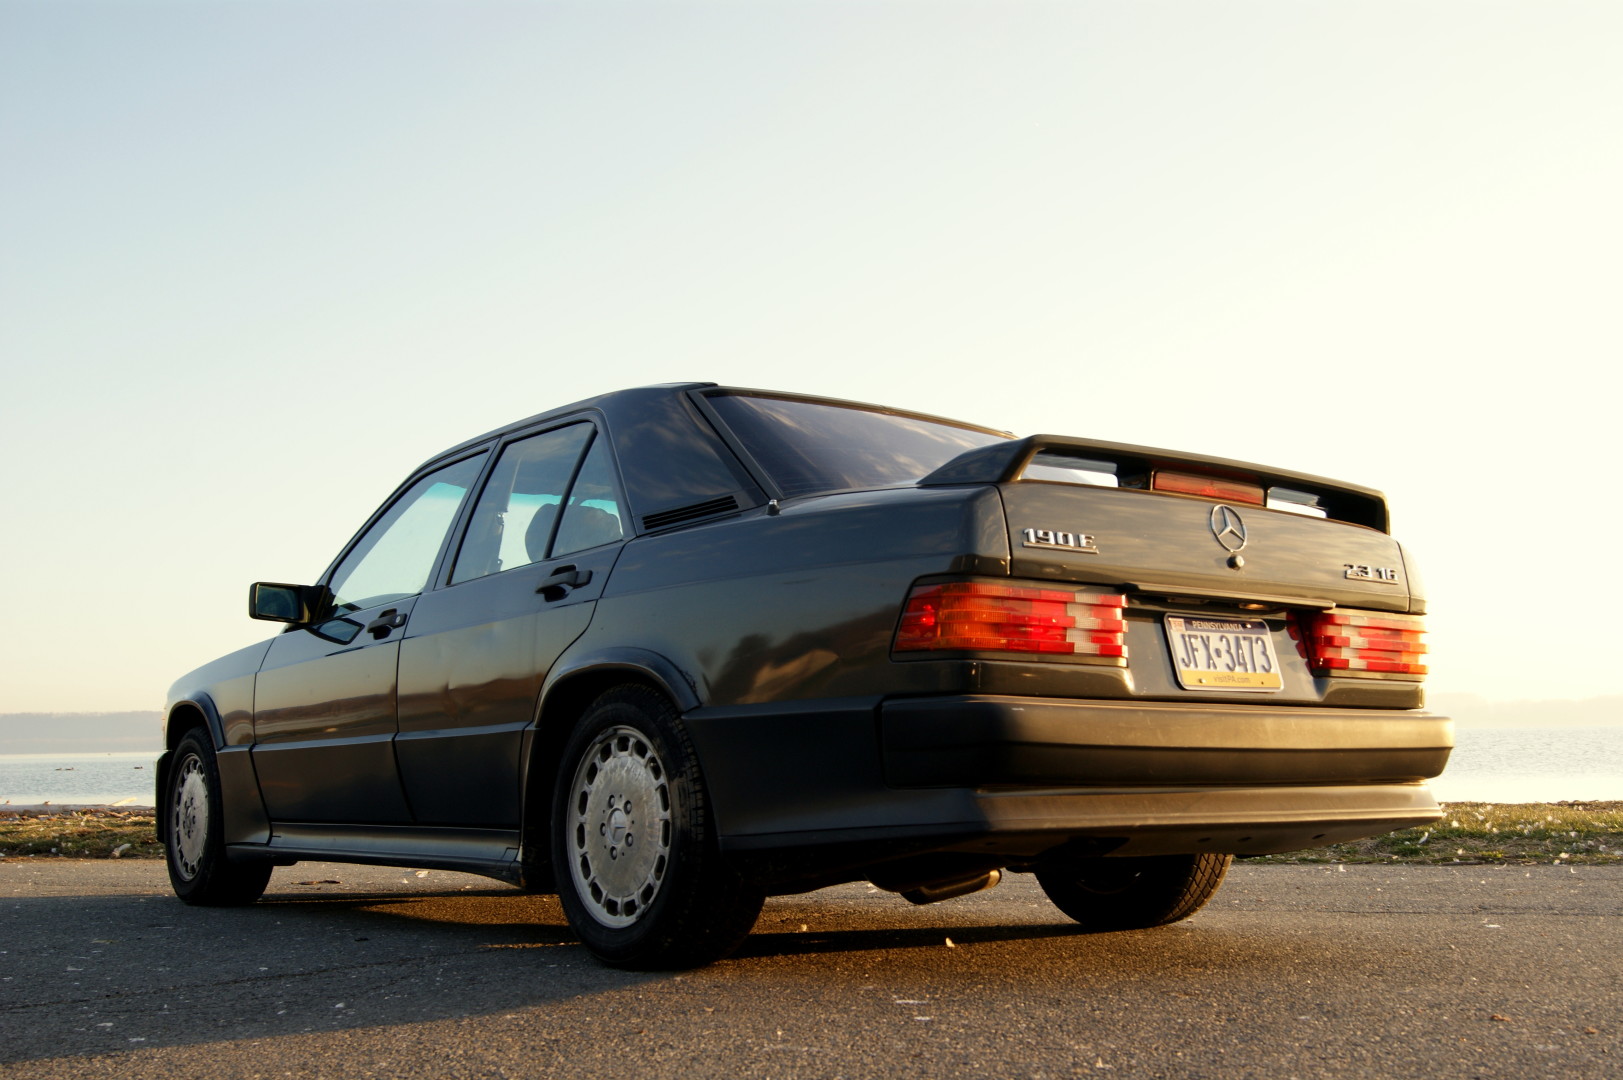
<point x="1228" y="528"/>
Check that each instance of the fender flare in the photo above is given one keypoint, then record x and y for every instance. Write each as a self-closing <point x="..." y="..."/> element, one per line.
<point x="676" y="683"/>
<point x="204" y="704"/>
<point x="216" y="732"/>
<point x="548" y="730"/>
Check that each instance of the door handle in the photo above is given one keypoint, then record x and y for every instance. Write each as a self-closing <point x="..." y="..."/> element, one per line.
<point x="389" y="620"/>
<point x="556" y="585"/>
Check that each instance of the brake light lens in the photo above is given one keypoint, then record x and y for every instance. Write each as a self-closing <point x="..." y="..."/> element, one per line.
<point x="1207" y="487"/>
<point x="963" y="615"/>
<point x="1342" y="641"/>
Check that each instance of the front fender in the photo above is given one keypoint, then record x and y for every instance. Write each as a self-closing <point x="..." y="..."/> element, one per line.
<point x="223" y="691"/>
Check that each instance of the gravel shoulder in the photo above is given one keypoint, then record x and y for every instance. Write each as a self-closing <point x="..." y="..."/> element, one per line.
<point x="1568" y="833"/>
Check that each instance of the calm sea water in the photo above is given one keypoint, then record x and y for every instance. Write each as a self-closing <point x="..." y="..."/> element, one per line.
<point x="1533" y="765"/>
<point x="30" y="779"/>
<point x="1488" y="765"/>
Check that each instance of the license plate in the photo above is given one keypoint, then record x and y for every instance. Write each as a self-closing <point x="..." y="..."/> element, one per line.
<point x="1223" y="654"/>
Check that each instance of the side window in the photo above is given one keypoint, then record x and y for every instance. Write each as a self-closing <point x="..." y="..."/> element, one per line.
<point x="593" y="514"/>
<point x="394" y="558"/>
<point x="513" y="521"/>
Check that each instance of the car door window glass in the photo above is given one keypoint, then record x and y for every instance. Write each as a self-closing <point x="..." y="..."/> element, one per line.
<point x="512" y="522"/>
<point x="592" y="517"/>
<point x="394" y="558"/>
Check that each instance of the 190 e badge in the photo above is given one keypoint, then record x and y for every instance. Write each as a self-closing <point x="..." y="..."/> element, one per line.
<point x="1060" y="541"/>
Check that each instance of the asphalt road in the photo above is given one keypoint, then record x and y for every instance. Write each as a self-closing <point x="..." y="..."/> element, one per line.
<point x="346" y="971"/>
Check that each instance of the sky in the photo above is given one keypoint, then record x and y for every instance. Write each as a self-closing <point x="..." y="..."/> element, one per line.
<point x="260" y="259"/>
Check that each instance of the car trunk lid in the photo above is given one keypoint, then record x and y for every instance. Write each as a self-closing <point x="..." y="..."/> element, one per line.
<point x="1109" y="513"/>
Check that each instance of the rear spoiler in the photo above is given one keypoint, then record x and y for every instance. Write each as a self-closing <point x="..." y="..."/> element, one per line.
<point x="1003" y="461"/>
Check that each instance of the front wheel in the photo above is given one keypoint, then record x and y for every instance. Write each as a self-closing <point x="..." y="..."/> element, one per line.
<point x="1132" y="893"/>
<point x="639" y="875"/>
<point x="194" y="833"/>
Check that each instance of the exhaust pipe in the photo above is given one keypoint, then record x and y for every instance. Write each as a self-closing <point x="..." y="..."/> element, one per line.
<point x="946" y="890"/>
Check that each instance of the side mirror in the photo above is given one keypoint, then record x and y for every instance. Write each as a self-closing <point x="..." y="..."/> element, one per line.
<point x="276" y="602"/>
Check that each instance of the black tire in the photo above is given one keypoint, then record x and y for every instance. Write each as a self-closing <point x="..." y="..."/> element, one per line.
<point x="633" y="842"/>
<point x="194" y="847"/>
<point x="1132" y="893"/>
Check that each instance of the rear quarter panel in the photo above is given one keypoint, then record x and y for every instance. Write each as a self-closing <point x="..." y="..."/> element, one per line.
<point x="796" y="605"/>
<point x="782" y="626"/>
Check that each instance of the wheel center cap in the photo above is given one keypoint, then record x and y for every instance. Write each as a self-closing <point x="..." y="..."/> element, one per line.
<point x="618" y="823"/>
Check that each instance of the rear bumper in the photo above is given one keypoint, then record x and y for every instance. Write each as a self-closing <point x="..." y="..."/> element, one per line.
<point x="1017" y="827"/>
<point x="817" y="794"/>
<point x="981" y="740"/>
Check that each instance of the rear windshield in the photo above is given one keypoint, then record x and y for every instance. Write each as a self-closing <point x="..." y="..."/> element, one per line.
<point x="811" y="447"/>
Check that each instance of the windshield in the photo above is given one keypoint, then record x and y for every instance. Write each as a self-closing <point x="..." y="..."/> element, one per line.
<point x="812" y="447"/>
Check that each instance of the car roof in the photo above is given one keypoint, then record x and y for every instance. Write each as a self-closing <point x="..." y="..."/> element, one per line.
<point x="615" y="403"/>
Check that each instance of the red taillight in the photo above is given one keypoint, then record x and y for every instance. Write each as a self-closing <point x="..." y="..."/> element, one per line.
<point x="1342" y="641"/>
<point x="1011" y="618"/>
<point x="1207" y="487"/>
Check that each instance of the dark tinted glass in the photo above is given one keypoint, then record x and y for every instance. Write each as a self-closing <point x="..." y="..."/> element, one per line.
<point x="809" y="447"/>
<point x="593" y="515"/>
<point x="516" y="513"/>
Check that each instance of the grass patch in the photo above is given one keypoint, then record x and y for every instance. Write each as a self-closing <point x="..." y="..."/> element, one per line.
<point x="1575" y="833"/>
<point x="101" y="833"/>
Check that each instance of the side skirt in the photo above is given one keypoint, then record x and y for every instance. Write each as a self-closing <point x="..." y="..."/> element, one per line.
<point x="488" y="852"/>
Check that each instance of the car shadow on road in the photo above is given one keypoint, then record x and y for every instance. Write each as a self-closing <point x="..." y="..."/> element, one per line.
<point x="502" y="918"/>
<point x="535" y="920"/>
<point x="95" y="975"/>
<point x="761" y="944"/>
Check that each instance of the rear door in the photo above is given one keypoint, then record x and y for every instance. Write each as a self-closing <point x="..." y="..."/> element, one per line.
<point x="539" y="546"/>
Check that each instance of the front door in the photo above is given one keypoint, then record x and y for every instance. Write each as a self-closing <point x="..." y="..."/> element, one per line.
<point x="324" y="700"/>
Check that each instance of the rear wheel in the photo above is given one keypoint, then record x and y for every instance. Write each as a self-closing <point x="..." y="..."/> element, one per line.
<point x="639" y="875"/>
<point x="199" y="870"/>
<point x="1132" y="893"/>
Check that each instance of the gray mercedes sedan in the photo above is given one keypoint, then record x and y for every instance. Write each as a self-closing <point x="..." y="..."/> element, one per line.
<point x="670" y="650"/>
